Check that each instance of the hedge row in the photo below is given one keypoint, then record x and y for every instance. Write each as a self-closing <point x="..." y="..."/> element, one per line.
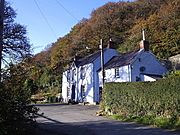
<point x="158" y="99"/>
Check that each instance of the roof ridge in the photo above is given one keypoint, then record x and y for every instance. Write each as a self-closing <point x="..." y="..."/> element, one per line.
<point x="90" y="58"/>
<point x="122" y="60"/>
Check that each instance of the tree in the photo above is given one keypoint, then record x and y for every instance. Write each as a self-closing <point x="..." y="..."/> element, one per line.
<point x="16" y="45"/>
<point x="1" y="31"/>
<point x="162" y="29"/>
<point x="16" y="115"/>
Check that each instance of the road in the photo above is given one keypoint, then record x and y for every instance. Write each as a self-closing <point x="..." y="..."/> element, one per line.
<point x="82" y="120"/>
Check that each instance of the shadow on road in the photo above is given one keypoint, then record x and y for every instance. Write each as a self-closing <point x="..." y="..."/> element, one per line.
<point x="53" y="104"/>
<point x="103" y="127"/>
<point x="54" y="127"/>
<point x="124" y="128"/>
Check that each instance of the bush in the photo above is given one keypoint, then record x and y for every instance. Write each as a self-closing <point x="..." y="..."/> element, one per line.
<point x="144" y="100"/>
<point x="16" y="113"/>
<point x="173" y="73"/>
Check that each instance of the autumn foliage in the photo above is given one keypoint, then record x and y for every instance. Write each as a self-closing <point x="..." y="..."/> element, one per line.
<point x="123" y="23"/>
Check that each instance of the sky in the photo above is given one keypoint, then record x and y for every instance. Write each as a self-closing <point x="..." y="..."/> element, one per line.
<point x="47" y="20"/>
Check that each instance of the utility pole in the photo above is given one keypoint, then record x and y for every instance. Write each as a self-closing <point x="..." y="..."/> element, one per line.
<point x="2" y="2"/>
<point x="102" y="61"/>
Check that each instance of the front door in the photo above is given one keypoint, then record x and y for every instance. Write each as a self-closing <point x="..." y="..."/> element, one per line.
<point x="73" y="92"/>
<point x="100" y="93"/>
<point x="82" y="93"/>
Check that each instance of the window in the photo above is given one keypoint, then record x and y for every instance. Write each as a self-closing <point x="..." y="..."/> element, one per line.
<point x="100" y="93"/>
<point x="68" y="75"/>
<point x="82" y="74"/>
<point x="73" y="74"/>
<point x="104" y="74"/>
<point x="82" y="91"/>
<point x="138" y="79"/>
<point x="68" y="92"/>
<point x="117" y="72"/>
<point x="142" y="69"/>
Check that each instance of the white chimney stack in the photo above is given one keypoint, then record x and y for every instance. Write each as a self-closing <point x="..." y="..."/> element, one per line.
<point x="143" y="34"/>
<point x="144" y="44"/>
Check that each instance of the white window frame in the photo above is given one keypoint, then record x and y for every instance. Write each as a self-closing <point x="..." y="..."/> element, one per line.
<point x="73" y="74"/>
<point x="68" y="75"/>
<point x="82" y="73"/>
<point x="117" y="75"/>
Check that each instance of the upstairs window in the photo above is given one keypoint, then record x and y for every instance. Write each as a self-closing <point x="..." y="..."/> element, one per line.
<point x="73" y="74"/>
<point x="82" y="74"/>
<point x="117" y="75"/>
<point x="68" y="75"/>
<point x="142" y="69"/>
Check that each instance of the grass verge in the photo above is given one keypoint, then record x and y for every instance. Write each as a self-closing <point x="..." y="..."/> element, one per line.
<point x="162" y="122"/>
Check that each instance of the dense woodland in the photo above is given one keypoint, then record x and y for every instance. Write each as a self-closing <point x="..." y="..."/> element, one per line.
<point x="120" y="21"/>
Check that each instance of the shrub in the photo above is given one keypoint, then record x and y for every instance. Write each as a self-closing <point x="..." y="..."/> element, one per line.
<point x="173" y="73"/>
<point x="16" y="113"/>
<point x="144" y="99"/>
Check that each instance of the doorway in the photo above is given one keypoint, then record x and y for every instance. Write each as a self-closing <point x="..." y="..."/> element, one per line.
<point x="73" y="93"/>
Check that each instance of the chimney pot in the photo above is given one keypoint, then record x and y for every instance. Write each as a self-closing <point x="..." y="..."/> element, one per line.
<point x="76" y="58"/>
<point x="111" y="44"/>
<point x="144" y="45"/>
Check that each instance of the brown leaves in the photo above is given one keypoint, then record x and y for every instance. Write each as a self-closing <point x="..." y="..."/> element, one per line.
<point x="123" y="22"/>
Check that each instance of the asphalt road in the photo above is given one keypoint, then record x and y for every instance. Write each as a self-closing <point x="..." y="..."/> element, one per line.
<point x="82" y="120"/>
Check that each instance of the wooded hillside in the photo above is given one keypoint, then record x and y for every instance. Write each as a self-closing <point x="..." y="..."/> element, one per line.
<point x="121" y="21"/>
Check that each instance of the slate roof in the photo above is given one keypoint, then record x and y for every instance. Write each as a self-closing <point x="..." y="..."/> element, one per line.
<point x="77" y="62"/>
<point x="122" y="60"/>
<point x="88" y="59"/>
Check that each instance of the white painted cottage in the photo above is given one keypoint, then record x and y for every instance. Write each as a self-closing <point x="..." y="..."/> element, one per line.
<point x="81" y="81"/>
<point x="139" y="65"/>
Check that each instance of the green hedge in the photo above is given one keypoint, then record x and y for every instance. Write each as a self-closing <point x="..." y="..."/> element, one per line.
<point x="160" y="99"/>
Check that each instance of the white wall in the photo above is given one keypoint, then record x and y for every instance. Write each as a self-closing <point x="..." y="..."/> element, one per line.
<point x="108" y="54"/>
<point x="151" y="64"/>
<point x="91" y="81"/>
<point x="147" y="78"/>
<point x="65" y="85"/>
<point x="129" y="73"/>
<point x="124" y="75"/>
<point x="74" y="73"/>
<point x="87" y="82"/>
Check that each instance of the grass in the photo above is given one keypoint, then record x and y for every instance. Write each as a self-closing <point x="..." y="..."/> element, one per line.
<point x="162" y="122"/>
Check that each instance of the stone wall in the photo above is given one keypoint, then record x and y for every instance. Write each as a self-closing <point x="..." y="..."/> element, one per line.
<point x="175" y="60"/>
